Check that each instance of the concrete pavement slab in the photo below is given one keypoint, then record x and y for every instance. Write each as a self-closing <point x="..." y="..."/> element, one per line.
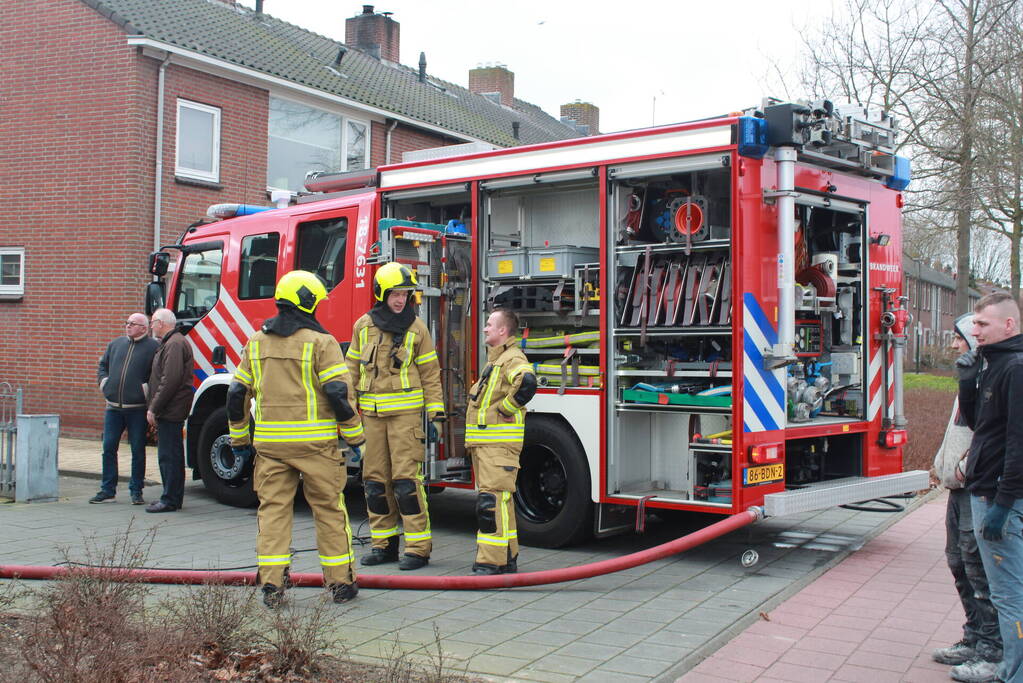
<point x="651" y="622"/>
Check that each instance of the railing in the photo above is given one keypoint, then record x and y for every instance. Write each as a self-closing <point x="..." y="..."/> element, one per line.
<point x="10" y="407"/>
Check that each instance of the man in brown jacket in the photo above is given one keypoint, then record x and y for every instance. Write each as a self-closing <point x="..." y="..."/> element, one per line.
<point x="170" y="399"/>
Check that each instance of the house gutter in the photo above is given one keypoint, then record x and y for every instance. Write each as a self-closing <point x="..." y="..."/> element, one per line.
<point x="258" y="77"/>
<point x="158" y="194"/>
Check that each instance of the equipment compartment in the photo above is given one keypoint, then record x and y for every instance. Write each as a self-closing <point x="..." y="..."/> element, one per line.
<point x="665" y="456"/>
<point x="542" y="255"/>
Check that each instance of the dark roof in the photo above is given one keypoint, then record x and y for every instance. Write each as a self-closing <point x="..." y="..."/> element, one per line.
<point x="238" y="35"/>
<point x="922" y="271"/>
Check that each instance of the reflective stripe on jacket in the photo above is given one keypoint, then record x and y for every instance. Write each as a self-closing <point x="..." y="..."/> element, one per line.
<point x="493" y="415"/>
<point x="394" y="375"/>
<point x="285" y="377"/>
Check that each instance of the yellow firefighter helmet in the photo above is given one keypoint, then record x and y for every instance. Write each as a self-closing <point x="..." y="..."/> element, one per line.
<point x="393" y="276"/>
<point x="302" y="288"/>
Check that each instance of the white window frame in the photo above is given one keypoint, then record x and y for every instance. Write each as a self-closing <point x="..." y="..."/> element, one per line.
<point x="344" y="141"/>
<point x="344" y="135"/>
<point x="198" y="174"/>
<point x="14" y="291"/>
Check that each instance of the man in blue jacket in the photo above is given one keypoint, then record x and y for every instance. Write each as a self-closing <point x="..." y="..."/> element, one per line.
<point x="991" y="402"/>
<point x="123" y="377"/>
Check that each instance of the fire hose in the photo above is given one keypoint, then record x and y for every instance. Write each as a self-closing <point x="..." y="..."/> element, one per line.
<point x="585" y="571"/>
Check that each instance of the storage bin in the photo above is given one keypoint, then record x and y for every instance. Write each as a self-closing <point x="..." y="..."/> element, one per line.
<point x="507" y="264"/>
<point x="558" y="262"/>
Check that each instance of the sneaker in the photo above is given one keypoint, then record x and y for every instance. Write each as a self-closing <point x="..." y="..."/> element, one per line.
<point x="343" y="592"/>
<point x="382" y="555"/>
<point x="136" y="499"/>
<point x="101" y="497"/>
<point x="273" y="596"/>
<point x="409" y="562"/>
<point x="975" y="671"/>
<point x="959" y="653"/>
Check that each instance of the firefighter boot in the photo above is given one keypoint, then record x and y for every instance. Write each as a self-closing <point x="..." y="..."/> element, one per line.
<point x="382" y="555"/>
<point x="513" y="564"/>
<point x="483" y="569"/>
<point x="273" y="596"/>
<point x="410" y="562"/>
<point x="343" y="592"/>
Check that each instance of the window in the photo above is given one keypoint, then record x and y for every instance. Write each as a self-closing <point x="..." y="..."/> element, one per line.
<point x="321" y="249"/>
<point x="258" y="267"/>
<point x="199" y="283"/>
<point x="12" y="273"/>
<point x="305" y="139"/>
<point x="198" y="143"/>
<point x="355" y="145"/>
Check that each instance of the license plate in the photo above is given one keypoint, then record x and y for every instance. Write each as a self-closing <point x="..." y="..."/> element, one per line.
<point x="764" y="474"/>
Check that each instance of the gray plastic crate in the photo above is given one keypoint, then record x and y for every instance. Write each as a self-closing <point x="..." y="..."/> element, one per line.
<point x="507" y="264"/>
<point x="558" y="262"/>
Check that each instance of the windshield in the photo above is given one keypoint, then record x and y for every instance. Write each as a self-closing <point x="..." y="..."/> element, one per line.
<point x="199" y="284"/>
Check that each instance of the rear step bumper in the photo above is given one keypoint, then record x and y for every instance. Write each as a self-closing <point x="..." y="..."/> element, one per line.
<point x="826" y="494"/>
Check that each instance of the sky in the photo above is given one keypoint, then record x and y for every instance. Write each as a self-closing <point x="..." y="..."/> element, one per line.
<point x="640" y="62"/>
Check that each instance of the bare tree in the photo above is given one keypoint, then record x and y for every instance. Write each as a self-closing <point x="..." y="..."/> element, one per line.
<point x="1000" y="149"/>
<point x="931" y="64"/>
<point x="989" y="262"/>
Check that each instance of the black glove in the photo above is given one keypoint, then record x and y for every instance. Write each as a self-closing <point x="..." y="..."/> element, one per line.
<point x="968" y="365"/>
<point x="242" y="454"/>
<point x="994" y="522"/>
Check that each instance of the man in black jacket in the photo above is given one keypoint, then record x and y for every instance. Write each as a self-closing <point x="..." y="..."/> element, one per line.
<point x="991" y="402"/>
<point x="123" y="377"/>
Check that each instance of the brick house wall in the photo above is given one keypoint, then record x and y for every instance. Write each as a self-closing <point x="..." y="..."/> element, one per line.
<point x="77" y="184"/>
<point x="243" y="146"/>
<point x="73" y="189"/>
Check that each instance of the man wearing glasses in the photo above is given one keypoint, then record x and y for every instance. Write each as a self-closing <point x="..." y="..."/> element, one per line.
<point x="123" y="377"/>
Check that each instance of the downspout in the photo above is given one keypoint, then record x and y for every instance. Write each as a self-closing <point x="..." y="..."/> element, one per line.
<point x="785" y="161"/>
<point x="387" y="143"/>
<point x="158" y="194"/>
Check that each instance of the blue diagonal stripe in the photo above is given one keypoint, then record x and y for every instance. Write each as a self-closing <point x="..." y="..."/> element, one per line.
<point x="753" y="306"/>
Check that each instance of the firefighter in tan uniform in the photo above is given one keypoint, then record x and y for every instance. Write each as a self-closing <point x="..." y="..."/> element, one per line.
<point x="494" y="428"/>
<point x="295" y="371"/>
<point x="394" y="365"/>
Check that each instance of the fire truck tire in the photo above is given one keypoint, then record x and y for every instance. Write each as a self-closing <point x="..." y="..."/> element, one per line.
<point x="217" y="466"/>
<point x="552" y="497"/>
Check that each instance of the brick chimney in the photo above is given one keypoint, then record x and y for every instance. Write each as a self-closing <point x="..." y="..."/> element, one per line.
<point x="487" y="80"/>
<point x="375" y="34"/>
<point x="584" y="114"/>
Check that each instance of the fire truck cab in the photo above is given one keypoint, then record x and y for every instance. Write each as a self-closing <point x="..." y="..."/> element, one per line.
<point x="713" y="309"/>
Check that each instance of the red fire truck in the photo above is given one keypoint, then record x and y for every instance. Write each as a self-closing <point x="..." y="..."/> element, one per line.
<point x="713" y="309"/>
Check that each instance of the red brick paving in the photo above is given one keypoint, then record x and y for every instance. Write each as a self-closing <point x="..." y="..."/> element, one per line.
<point x="874" y="617"/>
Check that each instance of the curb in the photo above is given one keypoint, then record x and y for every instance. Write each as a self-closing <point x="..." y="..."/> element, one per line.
<point x="121" y="479"/>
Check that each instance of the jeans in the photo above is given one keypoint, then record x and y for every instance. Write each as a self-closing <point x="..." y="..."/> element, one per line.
<point x="170" y="453"/>
<point x="115" y="422"/>
<point x="1003" y="563"/>
<point x="981" y="627"/>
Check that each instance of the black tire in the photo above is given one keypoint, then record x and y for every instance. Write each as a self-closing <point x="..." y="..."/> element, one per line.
<point x="552" y="497"/>
<point x="220" y="474"/>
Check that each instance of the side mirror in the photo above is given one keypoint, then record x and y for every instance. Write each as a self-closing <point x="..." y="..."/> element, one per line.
<point x="154" y="297"/>
<point x="219" y="356"/>
<point x="159" y="261"/>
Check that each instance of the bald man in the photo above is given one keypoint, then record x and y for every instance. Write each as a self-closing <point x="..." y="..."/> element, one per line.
<point x="123" y="377"/>
<point x="991" y="402"/>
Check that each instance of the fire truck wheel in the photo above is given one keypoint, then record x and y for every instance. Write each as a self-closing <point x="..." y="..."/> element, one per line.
<point x="225" y="479"/>
<point x="552" y="497"/>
